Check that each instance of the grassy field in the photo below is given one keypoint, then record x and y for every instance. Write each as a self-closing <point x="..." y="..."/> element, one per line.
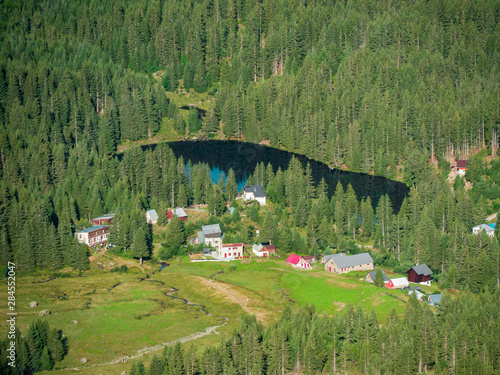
<point x="118" y="314"/>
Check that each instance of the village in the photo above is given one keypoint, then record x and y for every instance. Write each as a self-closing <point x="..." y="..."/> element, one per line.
<point x="210" y="240"/>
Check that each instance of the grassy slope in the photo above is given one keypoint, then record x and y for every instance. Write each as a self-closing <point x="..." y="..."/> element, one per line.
<point x="136" y="315"/>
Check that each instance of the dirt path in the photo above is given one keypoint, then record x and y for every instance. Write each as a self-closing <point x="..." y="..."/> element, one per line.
<point x="245" y="302"/>
<point x="151" y="349"/>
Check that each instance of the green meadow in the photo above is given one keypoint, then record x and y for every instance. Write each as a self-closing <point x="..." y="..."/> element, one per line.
<point x="118" y="314"/>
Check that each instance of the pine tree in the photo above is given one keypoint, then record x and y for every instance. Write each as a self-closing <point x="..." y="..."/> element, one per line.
<point x="140" y="247"/>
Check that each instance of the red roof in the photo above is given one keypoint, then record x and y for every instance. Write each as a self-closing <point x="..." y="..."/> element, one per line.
<point x="232" y="245"/>
<point x="293" y="259"/>
<point x="271" y="248"/>
<point x="461" y="163"/>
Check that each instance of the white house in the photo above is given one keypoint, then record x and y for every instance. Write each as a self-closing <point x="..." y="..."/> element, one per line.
<point x="254" y="193"/>
<point x="397" y="283"/>
<point x="151" y="217"/>
<point x="230" y="251"/>
<point x="93" y="235"/>
<point x="260" y="251"/>
<point x="490" y="231"/>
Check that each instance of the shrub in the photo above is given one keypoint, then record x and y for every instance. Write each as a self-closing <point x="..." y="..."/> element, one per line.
<point x="124" y="268"/>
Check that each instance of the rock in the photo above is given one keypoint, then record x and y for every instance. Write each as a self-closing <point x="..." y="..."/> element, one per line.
<point x="44" y="312"/>
<point x="33" y="304"/>
<point x="124" y="373"/>
<point x="111" y="264"/>
<point x="75" y="322"/>
<point x="84" y="360"/>
<point x="124" y="359"/>
<point x="99" y="263"/>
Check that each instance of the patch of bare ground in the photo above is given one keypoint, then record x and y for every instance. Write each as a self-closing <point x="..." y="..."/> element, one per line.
<point x="342" y="284"/>
<point x="231" y="293"/>
<point x="340" y="305"/>
<point x="377" y="301"/>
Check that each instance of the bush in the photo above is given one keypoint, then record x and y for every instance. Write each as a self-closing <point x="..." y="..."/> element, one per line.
<point x="124" y="268"/>
<point x="115" y="269"/>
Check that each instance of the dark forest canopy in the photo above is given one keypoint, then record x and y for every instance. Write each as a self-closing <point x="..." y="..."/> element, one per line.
<point x="361" y="83"/>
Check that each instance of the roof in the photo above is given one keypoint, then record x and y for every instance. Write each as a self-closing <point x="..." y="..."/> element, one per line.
<point x="257" y="190"/>
<point x="421" y="269"/>
<point x="105" y="217"/>
<point x="461" y="163"/>
<point x="258" y="248"/>
<point x="309" y="257"/>
<point x="373" y="273"/>
<point x="493" y="225"/>
<point x="435" y="298"/>
<point x="345" y="261"/>
<point x="209" y="230"/>
<point x="179" y="212"/>
<point x="231" y="210"/>
<point x="485" y="227"/>
<point x="326" y="258"/>
<point x="270" y="247"/>
<point x="232" y="244"/>
<point x="399" y="282"/>
<point x="92" y="229"/>
<point x="293" y="259"/>
<point x="152" y="214"/>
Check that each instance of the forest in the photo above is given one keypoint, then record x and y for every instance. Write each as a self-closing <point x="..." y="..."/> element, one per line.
<point x="395" y="88"/>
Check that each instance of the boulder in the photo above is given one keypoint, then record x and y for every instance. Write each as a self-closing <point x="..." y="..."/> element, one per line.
<point x="33" y="304"/>
<point x="124" y="373"/>
<point x="124" y="359"/>
<point x="84" y="360"/>
<point x="75" y="321"/>
<point x="44" y="312"/>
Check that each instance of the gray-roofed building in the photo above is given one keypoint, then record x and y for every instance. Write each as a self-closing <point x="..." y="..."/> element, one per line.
<point x="370" y="277"/>
<point x="210" y="235"/>
<point x="179" y="212"/>
<point x="93" y="235"/>
<point x="326" y="258"/>
<point x="420" y="274"/>
<point x="254" y="193"/>
<point x="342" y="263"/>
<point x="103" y="220"/>
<point x="151" y="217"/>
<point x="487" y="229"/>
<point x="434" y="300"/>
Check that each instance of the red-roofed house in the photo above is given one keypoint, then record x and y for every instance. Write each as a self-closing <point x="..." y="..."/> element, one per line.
<point x="271" y="249"/>
<point x="298" y="262"/>
<point x="179" y="212"/>
<point x="461" y="167"/>
<point x="310" y="258"/>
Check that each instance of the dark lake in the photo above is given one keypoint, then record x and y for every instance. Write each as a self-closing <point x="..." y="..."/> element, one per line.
<point x="242" y="157"/>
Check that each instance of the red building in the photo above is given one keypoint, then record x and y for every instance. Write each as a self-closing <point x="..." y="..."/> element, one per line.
<point x="103" y="220"/>
<point x="420" y="274"/>
<point x="179" y="212"/>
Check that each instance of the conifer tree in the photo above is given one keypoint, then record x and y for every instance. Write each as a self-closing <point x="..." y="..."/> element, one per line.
<point x="140" y="247"/>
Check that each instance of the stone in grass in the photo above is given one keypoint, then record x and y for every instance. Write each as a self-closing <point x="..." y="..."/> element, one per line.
<point x="124" y="373"/>
<point x="75" y="322"/>
<point x="33" y="304"/>
<point x="44" y="312"/>
<point x="84" y="360"/>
